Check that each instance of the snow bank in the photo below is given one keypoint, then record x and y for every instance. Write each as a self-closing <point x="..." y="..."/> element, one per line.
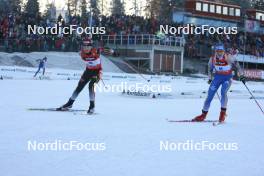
<point x="64" y="60"/>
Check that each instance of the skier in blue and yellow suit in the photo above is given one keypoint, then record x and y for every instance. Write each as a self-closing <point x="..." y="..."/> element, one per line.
<point x="220" y="72"/>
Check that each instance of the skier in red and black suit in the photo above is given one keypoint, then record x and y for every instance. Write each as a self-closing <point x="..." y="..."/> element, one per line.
<point x="92" y="74"/>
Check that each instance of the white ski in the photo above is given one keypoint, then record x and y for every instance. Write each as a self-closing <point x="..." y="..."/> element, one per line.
<point x="218" y="123"/>
<point x="85" y="113"/>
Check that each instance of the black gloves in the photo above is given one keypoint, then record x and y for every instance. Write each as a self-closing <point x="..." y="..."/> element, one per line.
<point x="209" y="81"/>
<point x="243" y="79"/>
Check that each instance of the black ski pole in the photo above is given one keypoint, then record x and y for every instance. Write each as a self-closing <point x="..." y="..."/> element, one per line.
<point x="148" y="80"/>
<point x="254" y="98"/>
<point x="104" y="84"/>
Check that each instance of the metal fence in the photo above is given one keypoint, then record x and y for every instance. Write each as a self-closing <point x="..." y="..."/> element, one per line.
<point x="143" y="39"/>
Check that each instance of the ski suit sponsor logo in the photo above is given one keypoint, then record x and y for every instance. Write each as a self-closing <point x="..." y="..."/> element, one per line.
<point x="221" y="66"/>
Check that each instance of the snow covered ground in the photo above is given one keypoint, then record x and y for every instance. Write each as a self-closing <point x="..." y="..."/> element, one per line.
<point x="131" y="128"/>
<point x="65" y="60"/>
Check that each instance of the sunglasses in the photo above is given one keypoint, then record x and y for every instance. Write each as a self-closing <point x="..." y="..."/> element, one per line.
<point x="87" y="47"/>
<point x="220" y="51"/>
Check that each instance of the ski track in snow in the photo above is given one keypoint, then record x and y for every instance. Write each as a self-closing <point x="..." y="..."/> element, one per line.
<point x="131" y="128"/>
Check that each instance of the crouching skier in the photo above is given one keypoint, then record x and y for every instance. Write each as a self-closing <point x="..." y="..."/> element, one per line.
<point x="92" y="74"/>
<point x="220" y="68"/>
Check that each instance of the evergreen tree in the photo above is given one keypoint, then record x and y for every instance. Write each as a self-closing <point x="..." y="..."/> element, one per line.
<point x="3" y="6"/>
<point x="94" y="7"/>
<point x="245" y="4"/>
<point x="32" y="9"/>
<point x="60" y="18"/>
<point x="117" y="7"/>
<point x="11" y="6"/>
<point x="152" y="8"/>
<point x="84" y="15"/>
<point x="73" y="7"/>
<point x="15" y="6"/>
<point x="166" y="9"/>
<point x="49" y="11"/>
<point x="258" y="4"/>
<point x="163" y="9"/>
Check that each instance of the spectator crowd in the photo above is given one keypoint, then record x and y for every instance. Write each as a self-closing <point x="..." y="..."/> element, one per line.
<point x="14" y="37"/>
<point x="249" y="43"/>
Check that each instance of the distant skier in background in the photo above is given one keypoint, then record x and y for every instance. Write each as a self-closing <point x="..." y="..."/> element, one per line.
<point x="42" y="65"/>
<point x="220" y="72"/>
<point x="92" y="74"/>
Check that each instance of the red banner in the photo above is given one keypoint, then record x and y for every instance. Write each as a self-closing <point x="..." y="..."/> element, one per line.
<point x="254" y="74"/>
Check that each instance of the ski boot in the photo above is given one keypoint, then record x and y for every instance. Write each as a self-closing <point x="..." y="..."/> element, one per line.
<point x="66" y="106"/>
<point x="91" y="108"/>
<point x="222" y="115"/>
<point x="201" y="117"/>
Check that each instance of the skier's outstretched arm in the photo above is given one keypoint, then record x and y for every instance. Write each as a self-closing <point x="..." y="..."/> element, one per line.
<point x="237" y="66"/>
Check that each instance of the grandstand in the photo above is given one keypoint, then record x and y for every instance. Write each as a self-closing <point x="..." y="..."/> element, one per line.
<point x="153" y="53"/>
<point x="249" y="41"/>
